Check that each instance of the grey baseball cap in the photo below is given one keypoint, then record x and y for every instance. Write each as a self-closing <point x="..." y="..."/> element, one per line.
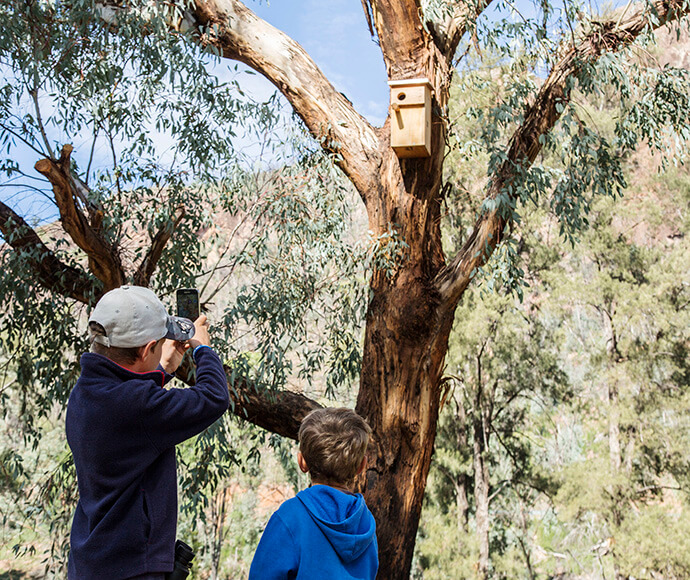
<point x="133" y="316"/>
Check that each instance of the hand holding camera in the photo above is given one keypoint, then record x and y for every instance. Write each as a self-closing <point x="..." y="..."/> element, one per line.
<point x="187" y="307"/>
<point x="201" y="335"/>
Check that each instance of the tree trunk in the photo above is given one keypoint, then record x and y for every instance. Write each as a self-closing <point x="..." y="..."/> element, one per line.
<point x="408" y="371"/>
<point x="524" y="542"/>
<point x="612" y="395"/>
<point x="218" y="511"/>
<point x="463" y="481"/>
<point x="462" y="504"/>
<point x="614" y="425"/>
<point x="406" y="340"/>
<point x="614" y="358"/>
<point x="481" y="493"/>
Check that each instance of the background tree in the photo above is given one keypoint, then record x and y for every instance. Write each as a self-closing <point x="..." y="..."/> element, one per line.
<point x="507" y="368"/>
<point x="622" y="305"/>
<point x="414" y="291"/>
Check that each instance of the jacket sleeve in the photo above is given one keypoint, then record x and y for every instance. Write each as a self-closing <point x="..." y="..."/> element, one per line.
<point x="276" y="557"/>
<point x="174" y="415"/>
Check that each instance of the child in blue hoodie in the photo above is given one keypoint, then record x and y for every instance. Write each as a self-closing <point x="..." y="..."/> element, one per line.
<point x="326" y="531"/>
<point x="122" y="427"/>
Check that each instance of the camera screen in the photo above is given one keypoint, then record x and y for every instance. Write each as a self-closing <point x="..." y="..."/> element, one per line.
<point x="188" y="305"/>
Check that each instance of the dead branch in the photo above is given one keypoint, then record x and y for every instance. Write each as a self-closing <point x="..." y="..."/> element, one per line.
<point x="104" y="261"/>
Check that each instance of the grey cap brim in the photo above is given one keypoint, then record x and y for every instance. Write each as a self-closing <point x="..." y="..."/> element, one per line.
<point x="180" y="329"/>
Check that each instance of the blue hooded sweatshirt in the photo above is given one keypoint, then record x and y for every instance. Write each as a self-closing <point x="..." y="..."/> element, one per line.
<point x="322" y="533"/>
<point x="122" y="427"/>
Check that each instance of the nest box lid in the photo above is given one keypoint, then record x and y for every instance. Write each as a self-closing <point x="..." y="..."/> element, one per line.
<point x="398" y="83"/>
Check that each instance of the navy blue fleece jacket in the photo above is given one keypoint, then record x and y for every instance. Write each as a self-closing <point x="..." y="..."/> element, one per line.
<point x="122" y="428"/>
<point x="322" y="533"/>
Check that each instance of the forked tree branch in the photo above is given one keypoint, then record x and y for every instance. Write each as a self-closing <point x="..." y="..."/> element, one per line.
<point x="620" y="30"/>
<point x="418" y="43"/>
<point x="52" y="273"/>
<point x="104" y="261"/>
<point x="142" y="276"/>
<point x="404" y="40"/>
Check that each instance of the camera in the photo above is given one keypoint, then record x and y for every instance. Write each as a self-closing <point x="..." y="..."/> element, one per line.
<point x="188" y="303"/>
<point x="183" y="561"/>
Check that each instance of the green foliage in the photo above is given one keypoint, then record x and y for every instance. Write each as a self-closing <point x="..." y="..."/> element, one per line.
<point x="645" y="554"/>
<point x="294" y="265"/>
<point x="611" y="313"/>
<point x="70" y="76"/>
<point x="581" y="158"/>
<point x="443" y="551"/>
<point x="505" y="385"/>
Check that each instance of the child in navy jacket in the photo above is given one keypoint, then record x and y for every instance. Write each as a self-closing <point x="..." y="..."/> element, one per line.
<point x="326" y="531"/>
<point x="122" y="427"/>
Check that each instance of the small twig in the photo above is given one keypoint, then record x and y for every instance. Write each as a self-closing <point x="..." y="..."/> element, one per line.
<point x="625" y="11"/>
<point x="499" y="490"/>
<point x="7" y="386"/>
<point x="34" y="96"/>
<point x="93" y="148"/>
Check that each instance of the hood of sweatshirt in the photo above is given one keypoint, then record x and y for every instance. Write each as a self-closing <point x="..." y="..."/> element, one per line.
<point x="342" y="517"/>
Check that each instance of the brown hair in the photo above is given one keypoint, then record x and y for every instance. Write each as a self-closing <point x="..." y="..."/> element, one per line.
<point x="117" y="354"/>
<point x="333" y="443"/>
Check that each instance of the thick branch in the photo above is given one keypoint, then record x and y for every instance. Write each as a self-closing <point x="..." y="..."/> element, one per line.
<point x="103" y="260"/>
<point x="51" y="273"/>
<point x="142" y="277"/>
<point x="620" y="30"/>
<point x="278" y="412"/>
<point x="241" y="35"/>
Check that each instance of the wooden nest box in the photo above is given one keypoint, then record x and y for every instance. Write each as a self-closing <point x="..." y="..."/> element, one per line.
<point x="411" y="117"/>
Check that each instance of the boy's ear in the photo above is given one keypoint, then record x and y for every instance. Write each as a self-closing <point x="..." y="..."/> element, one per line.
<point x="363" y="465"/>
<point x="147" y="349"/>
<point x="302" y="462"/>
